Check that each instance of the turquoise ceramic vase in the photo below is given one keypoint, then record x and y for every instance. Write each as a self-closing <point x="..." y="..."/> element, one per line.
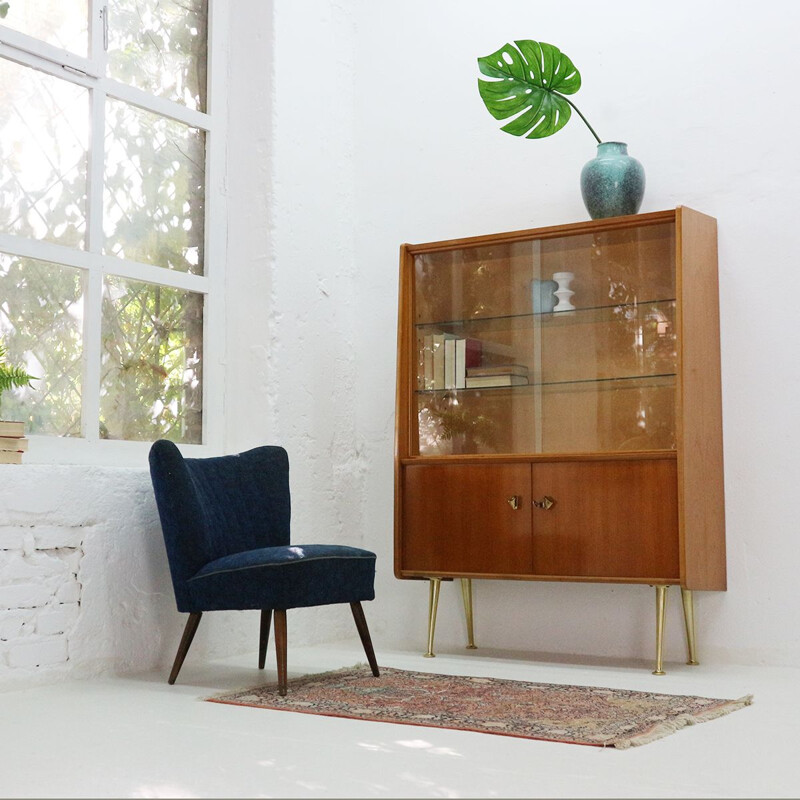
<point x="612" y="183"/>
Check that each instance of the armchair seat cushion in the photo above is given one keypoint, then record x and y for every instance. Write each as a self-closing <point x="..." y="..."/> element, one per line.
<point x="288" y="576"/>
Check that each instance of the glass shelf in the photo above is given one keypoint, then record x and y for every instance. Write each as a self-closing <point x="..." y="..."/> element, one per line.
<point x="513" y="321"/>
<point x="602" y="415"/>
<point x="537" y="385"/>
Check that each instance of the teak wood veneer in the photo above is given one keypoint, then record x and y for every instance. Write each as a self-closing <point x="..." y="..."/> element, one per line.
<point x="607" y="465"/>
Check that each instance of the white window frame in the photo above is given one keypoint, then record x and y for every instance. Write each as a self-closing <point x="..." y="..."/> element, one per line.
<point x="89" y="448"/>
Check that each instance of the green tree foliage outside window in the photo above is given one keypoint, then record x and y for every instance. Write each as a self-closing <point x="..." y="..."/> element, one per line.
<point x="154" y="205"/>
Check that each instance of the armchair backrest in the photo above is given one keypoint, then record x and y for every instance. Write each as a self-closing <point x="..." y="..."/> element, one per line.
<point x="214" y="507"/>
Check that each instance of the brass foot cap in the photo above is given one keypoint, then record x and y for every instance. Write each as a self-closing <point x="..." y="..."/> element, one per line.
<point x="472" y="647"/>
<point x="659" y="672"/>
<point x="693" y="663"/>
<point x="429" y="655"/>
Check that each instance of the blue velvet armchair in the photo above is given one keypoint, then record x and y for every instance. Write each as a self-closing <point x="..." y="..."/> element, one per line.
<point x="226" y="528"/>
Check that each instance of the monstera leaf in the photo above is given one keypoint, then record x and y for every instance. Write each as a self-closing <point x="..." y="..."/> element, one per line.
<point x="528" y="83"/>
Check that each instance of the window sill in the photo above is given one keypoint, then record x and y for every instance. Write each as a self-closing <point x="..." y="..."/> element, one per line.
<point x="57" y="451"/>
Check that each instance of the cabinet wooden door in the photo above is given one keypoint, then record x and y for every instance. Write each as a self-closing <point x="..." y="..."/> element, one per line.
<point x="463" y="518"/>
<point x="609" y="519"/>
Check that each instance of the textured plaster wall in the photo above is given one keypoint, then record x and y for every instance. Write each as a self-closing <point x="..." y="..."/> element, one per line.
<point x="84" y="581"/>
<point x="85" y="586"/>
<point x="369" y="132"/>
<point x="293" y="285"/>
<point x="82" y="586"/>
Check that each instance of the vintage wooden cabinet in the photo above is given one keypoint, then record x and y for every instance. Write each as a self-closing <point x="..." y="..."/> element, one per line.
<point x="558" y="409"/>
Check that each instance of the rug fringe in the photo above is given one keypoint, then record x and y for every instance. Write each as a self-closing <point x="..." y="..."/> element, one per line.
<point x="670" y="726"/>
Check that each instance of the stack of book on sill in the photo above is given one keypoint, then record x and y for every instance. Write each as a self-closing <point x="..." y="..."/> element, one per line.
<point x="485" y="377"/>
<point x="12" y="442"/>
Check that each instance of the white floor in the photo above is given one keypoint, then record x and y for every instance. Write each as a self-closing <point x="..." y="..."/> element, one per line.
<point x="136" y="736"/>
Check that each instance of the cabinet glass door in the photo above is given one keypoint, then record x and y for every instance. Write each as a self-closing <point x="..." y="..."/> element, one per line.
<point x="561" y="344"/>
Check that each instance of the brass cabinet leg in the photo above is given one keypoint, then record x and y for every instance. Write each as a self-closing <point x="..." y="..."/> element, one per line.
<point x="688" y="617"/>
<point x="661" y="614"/>
<point x="466" y="593"/>
<point x="433" y="605"/>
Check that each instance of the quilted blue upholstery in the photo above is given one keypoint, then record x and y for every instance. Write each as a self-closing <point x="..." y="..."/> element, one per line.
<point x="226" y="529"/>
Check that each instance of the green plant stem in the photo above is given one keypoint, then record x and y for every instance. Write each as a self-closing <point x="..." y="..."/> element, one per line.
<point x="599" y="140"/>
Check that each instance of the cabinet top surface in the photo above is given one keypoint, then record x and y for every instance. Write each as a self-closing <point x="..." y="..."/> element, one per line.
<point x="573" y="228"/>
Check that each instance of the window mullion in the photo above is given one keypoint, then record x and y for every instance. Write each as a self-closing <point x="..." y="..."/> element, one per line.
<point x="92" y="323"/>
<point x="109" y="265"/>
<point x="25" y="49"/>
<point x="216" y="232"/>
<point x="158" y="105"/>
<point x="92" y="318"/>
<point x="93" y="306"/>
<point x="79" y="72"/>
<point x="94" y="242"/>
<point x="98" y="13"/>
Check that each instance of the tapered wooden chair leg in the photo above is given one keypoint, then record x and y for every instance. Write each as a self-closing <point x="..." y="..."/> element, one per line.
<point x="280" y="649"/>
<point x="186" y="642"/>
<point x="363" y="632"/>
<point x="266" y="620"/>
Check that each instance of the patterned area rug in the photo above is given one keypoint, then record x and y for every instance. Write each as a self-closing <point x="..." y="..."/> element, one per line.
<point x="571" y="714"/>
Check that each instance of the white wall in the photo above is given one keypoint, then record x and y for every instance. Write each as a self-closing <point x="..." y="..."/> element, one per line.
<point x="293" y="312"/>
<point x="84" y="582"/>
<point x="704" y="99"/>
<point x="379" y="137"/>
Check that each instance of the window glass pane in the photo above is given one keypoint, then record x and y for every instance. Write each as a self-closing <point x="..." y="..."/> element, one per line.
<point x="62" y="23"/>
<point x="44" y="133"/>
<point x="41" y="323"/>
<point x="154" y="200"/>
<point x="151" y="381"/>
<point x="160" y="46"/>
